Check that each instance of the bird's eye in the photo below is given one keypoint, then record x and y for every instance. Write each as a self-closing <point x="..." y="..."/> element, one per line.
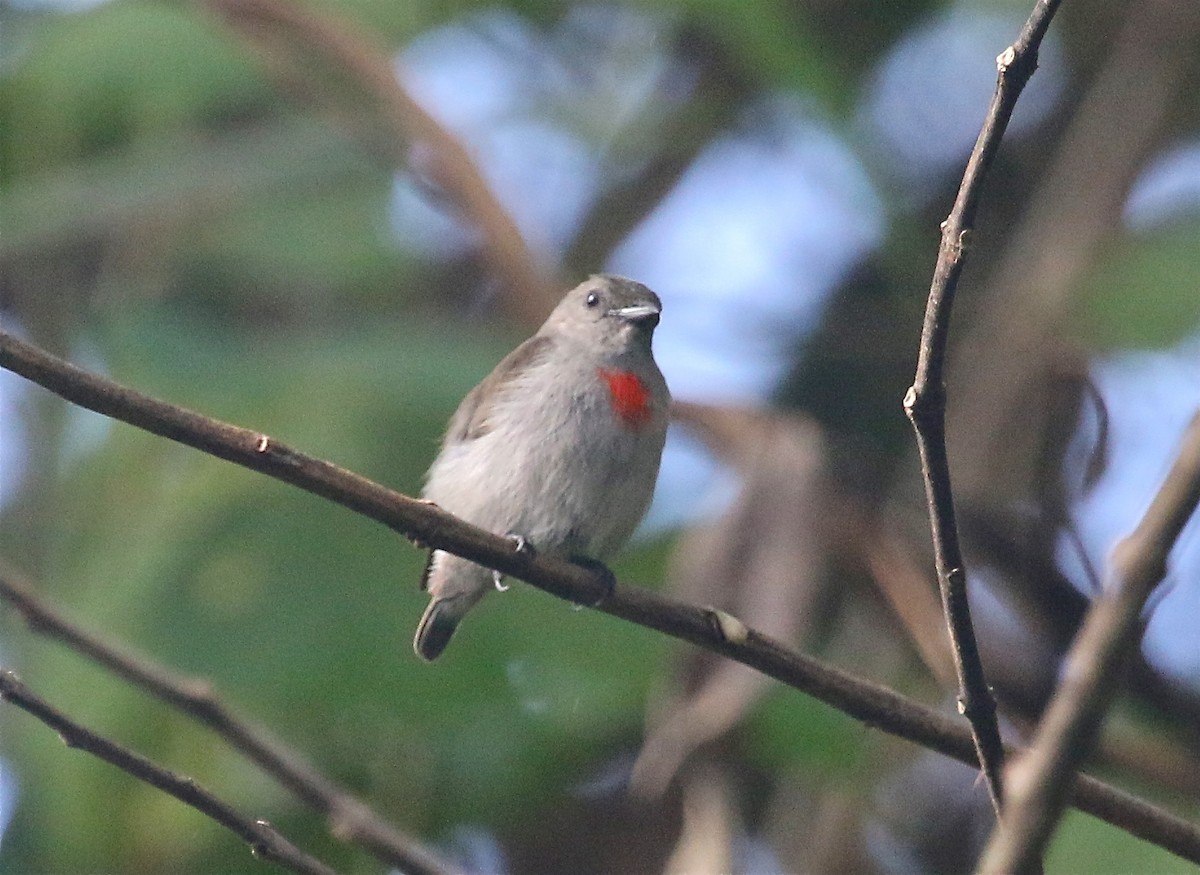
<point x="592" y="300"/>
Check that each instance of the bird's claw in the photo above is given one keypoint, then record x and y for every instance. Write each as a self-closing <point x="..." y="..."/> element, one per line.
<point x="603" y="572"/>
<point x="522" y="546"/>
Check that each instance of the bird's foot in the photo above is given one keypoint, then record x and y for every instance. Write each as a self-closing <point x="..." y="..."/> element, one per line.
<point x="603" y="572"/>
<point x="522" y="546"/>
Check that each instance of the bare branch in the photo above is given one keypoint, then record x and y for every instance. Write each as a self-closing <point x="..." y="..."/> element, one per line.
<point x="925" y="401"/>
<point x="716" y="631"/>
<point x="350" y="819"/>
<point x="264" y="840"/>
<point x="1067" y="731"/>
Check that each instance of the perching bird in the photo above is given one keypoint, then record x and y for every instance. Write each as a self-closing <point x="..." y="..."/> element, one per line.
<point x="558" y="448"/>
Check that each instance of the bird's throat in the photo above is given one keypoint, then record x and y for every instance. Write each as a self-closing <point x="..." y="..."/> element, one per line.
<point x="629" y="395"/>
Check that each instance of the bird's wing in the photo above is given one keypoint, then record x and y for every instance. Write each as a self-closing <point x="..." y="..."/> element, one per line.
<point x="470" y="421"/>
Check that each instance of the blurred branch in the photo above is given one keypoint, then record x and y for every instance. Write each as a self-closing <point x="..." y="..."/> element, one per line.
<point x="723" y="90"/>
<point x="1151" y="756"/>
<point x="907" y="591"/>
<point x="1015" y="335"/>
<point x="264" y="840"/>
<point x="761" y="560"/>
<point x="925" y="402"/>
<point x="179" y="178"/>
<point x="350" y="819"/>
<point x="282" y="33"/>
<point x="1141" y="752"/>
<point x="708" y="833"/>
<point x="713" y="630"/>
<point x="1067" y="731"/>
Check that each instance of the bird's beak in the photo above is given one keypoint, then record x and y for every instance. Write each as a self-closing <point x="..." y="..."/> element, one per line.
<point x="638" y="314"/>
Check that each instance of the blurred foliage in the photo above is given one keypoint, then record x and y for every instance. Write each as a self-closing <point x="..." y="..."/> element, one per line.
<point x="1084" y="844"/>
<point x="1142" y="292"/>
<point x="253" y="277"/>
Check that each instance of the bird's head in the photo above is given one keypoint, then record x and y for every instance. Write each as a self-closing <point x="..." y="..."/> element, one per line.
<point x="616" y="313"/>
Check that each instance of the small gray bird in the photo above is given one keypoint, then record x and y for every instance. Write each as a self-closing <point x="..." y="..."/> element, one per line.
<point x="558" y="448"/>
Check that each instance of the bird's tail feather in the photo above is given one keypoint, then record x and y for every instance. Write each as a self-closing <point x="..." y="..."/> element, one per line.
<point x="435" y="629"/>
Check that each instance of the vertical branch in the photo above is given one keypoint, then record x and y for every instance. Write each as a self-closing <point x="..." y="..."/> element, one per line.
<point x="925" y="401"/>
<point x="1042" y="780"/>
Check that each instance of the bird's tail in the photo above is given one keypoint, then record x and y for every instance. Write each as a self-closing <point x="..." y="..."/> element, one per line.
<point x="436" y="628"/>
<point x="454" y="586"/>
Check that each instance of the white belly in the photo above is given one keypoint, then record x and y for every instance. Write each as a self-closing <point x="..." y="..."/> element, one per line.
<point x="562" y="470"/>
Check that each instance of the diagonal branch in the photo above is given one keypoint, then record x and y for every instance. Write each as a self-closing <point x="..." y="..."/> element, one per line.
<point x="349" y="818"/>
<point x="264" y="840"/>
<point x="925" y="401"/>
<point x="1110" y="631"/>
<point x="286" y="34"/>
<point x="713" y="630"/>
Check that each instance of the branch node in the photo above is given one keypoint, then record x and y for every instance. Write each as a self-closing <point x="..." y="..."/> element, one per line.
<point x="1005" y="59"/>
<point x="200" y="690"/>
<point x="345" y="820"/>
<point x="923" y="403"/>
<point x="974" y="709"/>
<point x="729" y="627"/>
<point x="260" y="849"/>
<point x="262" y="444"/>
<point x="342" y="828"/>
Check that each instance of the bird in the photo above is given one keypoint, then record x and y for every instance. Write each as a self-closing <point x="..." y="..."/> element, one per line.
<point x="558" y="448"/>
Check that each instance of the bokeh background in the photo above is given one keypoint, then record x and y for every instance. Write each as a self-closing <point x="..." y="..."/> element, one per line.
<point x="213" y="202"/>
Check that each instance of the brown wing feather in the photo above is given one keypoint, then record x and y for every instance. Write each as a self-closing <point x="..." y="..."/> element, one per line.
<point x="471" y="419"/>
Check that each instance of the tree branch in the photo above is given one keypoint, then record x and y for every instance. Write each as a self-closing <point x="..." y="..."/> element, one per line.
<point x="264" y="840"/>
<point x="350" y="819"/>
<point x="1110" y="631"/>
<point x="716" y="631"/>
<point x="925" y="401"/>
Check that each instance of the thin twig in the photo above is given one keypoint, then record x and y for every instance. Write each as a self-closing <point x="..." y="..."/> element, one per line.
<point x="264" y="840"/>
<point x="1067" y="732"/>
<point x="925" y="401"/>
<point x="350" y="819"/>
<point x="713" y="630"/>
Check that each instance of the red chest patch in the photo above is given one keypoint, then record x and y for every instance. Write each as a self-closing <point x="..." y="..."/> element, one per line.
<point x="630" y="397"/>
